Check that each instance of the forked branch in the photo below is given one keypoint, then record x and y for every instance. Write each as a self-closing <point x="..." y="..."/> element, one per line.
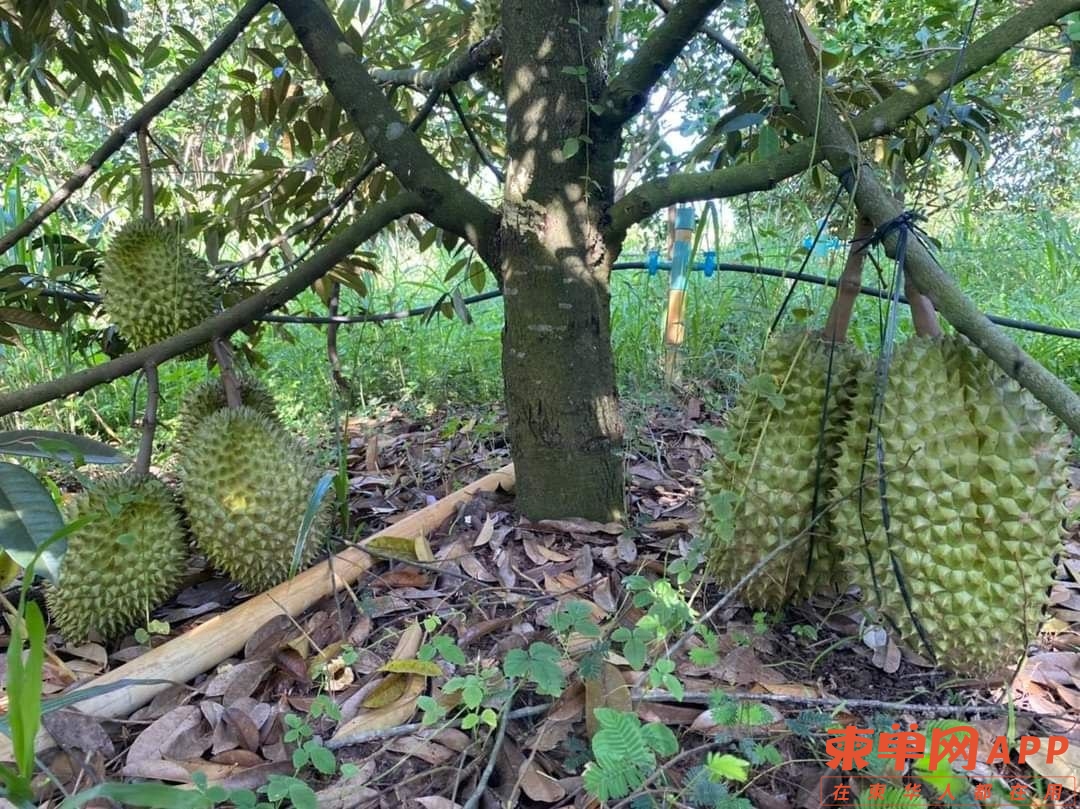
<point x="629" y="89"/>
<point x="119" y="136"/>
<point x="444" y="201"/>
<point x="882" y="118"/>
<point x="875" y="201"/>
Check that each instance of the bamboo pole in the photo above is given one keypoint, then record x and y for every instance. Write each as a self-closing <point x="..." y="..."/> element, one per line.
<point x="199" y="650"/>
<point x="678" y="275"/>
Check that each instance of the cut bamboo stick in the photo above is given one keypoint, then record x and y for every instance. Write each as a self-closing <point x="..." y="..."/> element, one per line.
<point x="199" y="650"/>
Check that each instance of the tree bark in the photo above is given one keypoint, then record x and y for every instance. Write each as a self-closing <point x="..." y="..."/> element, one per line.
<point x="558" y="366"/>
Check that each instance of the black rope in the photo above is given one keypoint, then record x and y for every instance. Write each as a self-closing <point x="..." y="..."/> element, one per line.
<point x="743" y="269"/>
<point x="817" y="237"/>
<point x="903" y="226"/>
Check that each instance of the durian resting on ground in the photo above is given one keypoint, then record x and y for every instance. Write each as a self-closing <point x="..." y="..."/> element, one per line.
<point x="153" y="286"/>
<point x="974" y="470"/>
<point x="246" y="487"/>
<point x="128" y="560"/>
<point x="208" y="397"/>
<point x="759" y="494"/>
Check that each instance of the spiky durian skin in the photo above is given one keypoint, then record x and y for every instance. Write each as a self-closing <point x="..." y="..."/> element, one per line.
<point x="128" y="560"/>
<point x="973" y="475"/>
<point x="485" y="17"/>
<point x="768" y="467"/>
<point x="246" y="487"/>
<point x="153" y="286"/>
<point x="208" y="397"/>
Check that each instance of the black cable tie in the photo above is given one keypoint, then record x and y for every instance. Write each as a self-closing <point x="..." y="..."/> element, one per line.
<point x="905" y="222"/>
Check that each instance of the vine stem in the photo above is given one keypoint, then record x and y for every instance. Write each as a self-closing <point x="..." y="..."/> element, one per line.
<point x="149" y="425"/>
<point x="146" y="175"/>
<point x="493" y="756"/>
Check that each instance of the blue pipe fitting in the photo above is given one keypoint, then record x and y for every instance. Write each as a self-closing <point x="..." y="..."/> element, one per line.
<point x="654" y="262"/>
<point x="710" y="263"/>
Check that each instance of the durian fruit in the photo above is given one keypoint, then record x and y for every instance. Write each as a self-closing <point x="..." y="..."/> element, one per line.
<point x="972" y="489"/>
<point x="485" y="17"/>
<point x="153" y="286"/>
<point x="125" y="562"/>
<point x="759" y="493"/>
<point x="208" y="397"/>
<point x="246" y="487"/>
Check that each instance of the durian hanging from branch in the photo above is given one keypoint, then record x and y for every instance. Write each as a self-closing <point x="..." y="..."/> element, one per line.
<point x="768" y="490"/>
<point x="153" y="286"/>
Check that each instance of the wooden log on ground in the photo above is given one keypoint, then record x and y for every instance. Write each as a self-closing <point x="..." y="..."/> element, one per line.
<point x="189" y="655"/>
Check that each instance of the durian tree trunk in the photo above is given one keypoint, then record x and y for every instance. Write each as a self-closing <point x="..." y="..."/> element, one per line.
<point x="558" y="366"/>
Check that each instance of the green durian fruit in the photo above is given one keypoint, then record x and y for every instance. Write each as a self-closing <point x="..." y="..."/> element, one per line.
<point x="759" y="493"/>
<point x="973" y="473"/>
<point x="485" y="17"/>
<point x="153" y="286"/>
<point x="246" y="487"/>
<point x="122" y="564"/>
<point x="208" y="397"/>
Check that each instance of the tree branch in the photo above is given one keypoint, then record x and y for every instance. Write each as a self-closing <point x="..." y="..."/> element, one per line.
<point x="733" y="50"/>
<point x="875" y="201"/>
<point x="150" y="423"/>
<point x="480" y="151"/>
<point x="233" y="318"/>
<point x="460" y="69"/>
<point x="444" y="201"/>
<point x="984" y="51"/>
<point x="880" y="119"/>
<point x="118" y="137"/>
<point x="628" y="90"/>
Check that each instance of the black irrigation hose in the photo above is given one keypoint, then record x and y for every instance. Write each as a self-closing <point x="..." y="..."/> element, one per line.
<point x="749" y="269"/>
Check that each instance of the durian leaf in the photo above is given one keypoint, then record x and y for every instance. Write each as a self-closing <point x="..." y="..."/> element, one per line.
<point x="314" y="503"/>
<point x="27" y="319"/>
<point x="399" y="547"/>
<point x="424" y="668"/>
<point x="28" y="520"/>
<point x="389" y="691"/>
<point x="59" y="446"/>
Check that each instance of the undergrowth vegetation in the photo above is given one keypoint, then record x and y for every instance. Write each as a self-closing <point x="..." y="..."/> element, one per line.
<point x="1013" y="264"/>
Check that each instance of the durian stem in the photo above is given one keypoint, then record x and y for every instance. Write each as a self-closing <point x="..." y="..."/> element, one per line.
<point x="850" y="284"/>
<point x="923" y="314"/>
<point x="224" y="355"/>
<point x="146" y="174"/>
<point x="149" y="425"/>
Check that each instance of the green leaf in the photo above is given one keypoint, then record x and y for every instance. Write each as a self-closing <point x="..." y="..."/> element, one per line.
<point x="323" y="759"/>
<point x="27" y="319"/>
<point x="660" y="738"/>
<point x="634" y="651"/>
<point x="312" y="511"/>
<point x="24" y="685"/>
<point x="422" y="667"/>
<point x="727" y="767"/>
<point x="58" y="446"/>
<point x="156" y="796"/>
<point x="303" y="796"/>
<point x="571" y="147"/>
<point x="28" y="520"/>
<point x="620" y="741"/>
